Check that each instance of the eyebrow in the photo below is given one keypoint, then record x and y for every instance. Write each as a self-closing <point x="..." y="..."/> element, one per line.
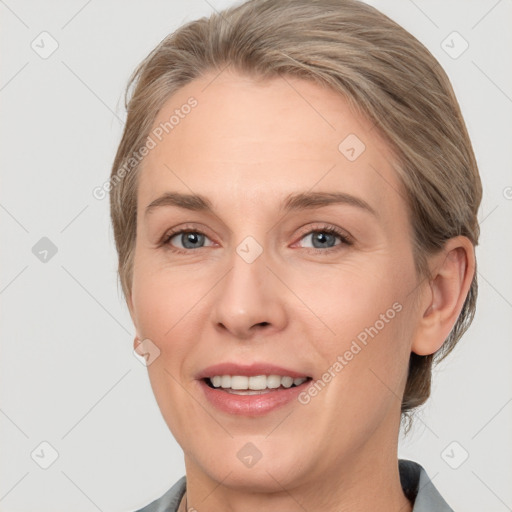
<point x="293" y="202"/>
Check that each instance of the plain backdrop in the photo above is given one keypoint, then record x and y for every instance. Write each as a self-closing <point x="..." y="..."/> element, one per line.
<point x="68" y="377"/>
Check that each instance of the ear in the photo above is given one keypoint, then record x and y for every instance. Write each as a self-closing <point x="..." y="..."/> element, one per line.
<point x="452" y="272"/>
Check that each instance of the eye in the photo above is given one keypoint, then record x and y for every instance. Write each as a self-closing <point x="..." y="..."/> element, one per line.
<point x="183" y="240"/>
<point x="326" y="237"/>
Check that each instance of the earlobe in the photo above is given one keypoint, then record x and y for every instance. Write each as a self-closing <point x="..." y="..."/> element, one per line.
<point x="452" y="272"/>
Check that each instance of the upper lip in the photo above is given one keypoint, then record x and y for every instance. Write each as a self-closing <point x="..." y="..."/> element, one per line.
<point x="250" y="370"/>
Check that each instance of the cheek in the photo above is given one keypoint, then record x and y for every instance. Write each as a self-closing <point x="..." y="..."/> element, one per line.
<point x="368" y="320"/>
<point x="162" y="299"/>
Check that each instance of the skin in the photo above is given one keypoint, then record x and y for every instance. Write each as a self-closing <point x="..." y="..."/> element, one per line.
<point x="247" y="146"/>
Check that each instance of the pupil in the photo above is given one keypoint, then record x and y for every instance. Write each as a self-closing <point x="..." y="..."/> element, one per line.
<point x="191" y="238"/>
<point x="323" y="238"/>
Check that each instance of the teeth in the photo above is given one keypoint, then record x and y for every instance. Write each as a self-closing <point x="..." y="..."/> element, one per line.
<point x="239" y="382"/>
<point x="255" y="383"/>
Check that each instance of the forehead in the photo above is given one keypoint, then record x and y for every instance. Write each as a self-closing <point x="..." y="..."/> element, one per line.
<point x="252" y="139"/>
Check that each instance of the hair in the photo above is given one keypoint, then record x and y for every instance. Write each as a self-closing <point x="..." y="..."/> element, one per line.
<point x="384" y="73"/>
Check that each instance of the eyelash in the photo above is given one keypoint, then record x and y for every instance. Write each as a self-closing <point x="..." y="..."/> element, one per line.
<point x="345" y="239"/>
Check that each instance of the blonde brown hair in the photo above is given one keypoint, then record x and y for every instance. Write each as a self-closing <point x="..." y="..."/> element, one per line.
<point x="381" y="69"/>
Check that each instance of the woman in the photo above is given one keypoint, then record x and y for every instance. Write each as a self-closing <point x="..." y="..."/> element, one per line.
<point x="294" y="205"/>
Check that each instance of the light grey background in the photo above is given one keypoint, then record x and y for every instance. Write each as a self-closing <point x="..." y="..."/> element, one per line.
<point x="68" y="375"/>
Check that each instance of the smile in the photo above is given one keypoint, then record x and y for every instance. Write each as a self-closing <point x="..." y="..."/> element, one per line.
<point x="250" y="390"/>
<point x="254" y="385"/>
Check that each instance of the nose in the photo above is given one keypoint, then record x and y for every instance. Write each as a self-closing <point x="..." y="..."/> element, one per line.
<point x="249" y="300"/>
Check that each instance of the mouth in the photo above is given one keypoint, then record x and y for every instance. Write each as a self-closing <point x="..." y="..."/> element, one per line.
<point x="244" y="385"/>
<point x="253" y="390"/>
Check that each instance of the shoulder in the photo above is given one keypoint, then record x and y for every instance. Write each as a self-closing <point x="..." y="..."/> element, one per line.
<point x="419" y="489"/>
<point x="170" y="501"/>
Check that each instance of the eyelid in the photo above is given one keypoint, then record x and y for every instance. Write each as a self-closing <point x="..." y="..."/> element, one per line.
<point x="187" y="227"/>
<point x="344" y="235"/>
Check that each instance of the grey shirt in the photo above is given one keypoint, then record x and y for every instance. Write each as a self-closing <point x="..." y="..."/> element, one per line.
<point x="414" y="479"/>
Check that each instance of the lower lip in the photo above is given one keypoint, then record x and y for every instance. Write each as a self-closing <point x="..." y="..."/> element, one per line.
<point x="251" y="405"/>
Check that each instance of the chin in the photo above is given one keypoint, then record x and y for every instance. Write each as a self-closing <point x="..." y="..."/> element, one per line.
<point x="253" y="463"/>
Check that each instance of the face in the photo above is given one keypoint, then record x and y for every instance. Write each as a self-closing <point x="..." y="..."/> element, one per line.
<point x="295" y="260"/>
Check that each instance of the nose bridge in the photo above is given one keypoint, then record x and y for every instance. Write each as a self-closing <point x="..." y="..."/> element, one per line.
<point x="248" y="298"/>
